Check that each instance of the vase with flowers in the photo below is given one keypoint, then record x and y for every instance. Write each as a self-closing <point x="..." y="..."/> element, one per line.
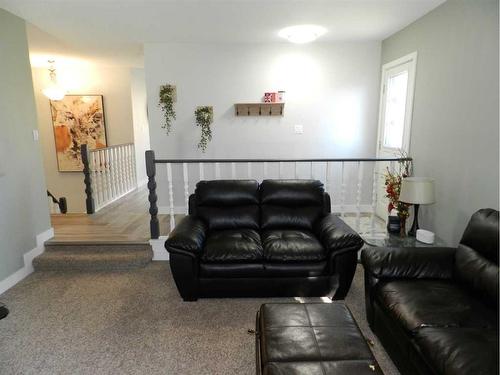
<point x="393" y="178"/>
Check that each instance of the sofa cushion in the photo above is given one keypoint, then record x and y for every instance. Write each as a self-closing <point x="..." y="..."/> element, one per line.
<point x="233" y="245"/>
<point x="476" y="261"/>
<point x="291" y="203"/>
<point x="433" y="303"/>
<point x="481" y="234"/>
<point x="459" y="351"/>
<point x="291" y="246"/>
<point x="477" y="274"/>
<point x="228" y="204"/>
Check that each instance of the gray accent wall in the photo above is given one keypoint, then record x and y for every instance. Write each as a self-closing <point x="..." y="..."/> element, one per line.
<point x="23" y="203"/>
<point x="454" y="134"/>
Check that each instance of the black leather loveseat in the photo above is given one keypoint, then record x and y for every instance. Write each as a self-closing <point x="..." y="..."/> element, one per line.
<point x="273" y="239"/>
<point x="436" y="309"/>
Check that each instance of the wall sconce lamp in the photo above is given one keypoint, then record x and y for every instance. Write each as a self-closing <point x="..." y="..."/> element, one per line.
<point x="53" y="91"/>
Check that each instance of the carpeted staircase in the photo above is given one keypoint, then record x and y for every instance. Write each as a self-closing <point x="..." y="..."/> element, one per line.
<point x="93" y="256"/>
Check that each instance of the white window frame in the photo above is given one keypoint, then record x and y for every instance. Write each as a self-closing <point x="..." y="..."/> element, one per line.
<point x="411" y="59"/>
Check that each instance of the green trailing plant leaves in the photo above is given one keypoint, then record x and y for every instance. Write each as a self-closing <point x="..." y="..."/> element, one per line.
<point x="166" y="103"/>
<point x="204" y="117"/>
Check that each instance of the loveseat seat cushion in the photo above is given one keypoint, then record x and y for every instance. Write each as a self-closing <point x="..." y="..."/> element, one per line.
<point x="433" y="303"/>
<point x="460" y="351"/>
<point x="291" y="245"/>
<point x="296" y="204"/>
<point x="228" y="204"/>
<point x="233" y="245"/>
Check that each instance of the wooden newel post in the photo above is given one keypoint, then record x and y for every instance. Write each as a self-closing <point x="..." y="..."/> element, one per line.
<point x="89" y="201"/>
<point x="154" y="224"/>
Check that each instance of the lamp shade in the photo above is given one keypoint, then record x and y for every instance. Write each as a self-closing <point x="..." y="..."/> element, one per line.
<point x="417" y="190"/>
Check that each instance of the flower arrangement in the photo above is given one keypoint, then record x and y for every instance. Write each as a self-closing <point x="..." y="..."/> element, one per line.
<point x="166" y="103"/>
<point x="204" y="118"/>
<point x="393" y="179"/>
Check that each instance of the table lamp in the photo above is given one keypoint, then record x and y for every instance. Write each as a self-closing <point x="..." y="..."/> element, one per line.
<point x="416" y="191"/>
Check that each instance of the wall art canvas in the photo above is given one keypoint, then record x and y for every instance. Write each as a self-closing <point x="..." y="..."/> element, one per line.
<point x="77" y="120"/>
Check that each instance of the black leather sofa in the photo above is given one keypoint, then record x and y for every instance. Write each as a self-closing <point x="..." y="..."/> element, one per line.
<point x="435" y="310"/>
<point x="274" y="239"/>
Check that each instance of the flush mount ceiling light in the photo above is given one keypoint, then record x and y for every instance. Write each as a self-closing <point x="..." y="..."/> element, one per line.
<point x="302" y="33"/>
<point x="53" y="91"/>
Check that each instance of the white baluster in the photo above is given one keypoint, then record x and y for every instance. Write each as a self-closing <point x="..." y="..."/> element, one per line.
<point x="171" y="196"/>
<point x="342" y="191"/>
<point x="374" y="199"/>
<point x="105" y="194"/>
<point x="102" y="158"/>
<point x="117" y="171"/>
<point x="134" y="168"/>
<point x="106" y="174"/>
<point x="201" y="166"/>
<point x="295" y="169"/>
<point x="327" y="184"/>
<point x="265" y="170"/>
<point x="249" y="170"/>
<point x="233" y="171"/>
<point x="98" y="168"/>
<point x="217" y="171"/>
<point x="311" y="170"/>
<point x="114" y="176"/>
<point x="280" y="168"/>
<point x="126" y="175"/>
<point x="358" y="195"/>
<point x="122" y="169"/>
<point x="186" y="185"/>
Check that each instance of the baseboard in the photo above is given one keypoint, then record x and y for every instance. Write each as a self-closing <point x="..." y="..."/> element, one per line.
<point x="28" y="257"/>
<point x="159" y="251"/>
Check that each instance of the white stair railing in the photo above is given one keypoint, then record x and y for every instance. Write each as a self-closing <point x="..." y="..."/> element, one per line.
<point x="351" y="183"/>
<point x="110" y="173"/>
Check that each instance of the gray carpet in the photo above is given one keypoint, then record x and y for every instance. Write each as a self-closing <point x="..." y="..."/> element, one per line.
<point x="133" y="322"/>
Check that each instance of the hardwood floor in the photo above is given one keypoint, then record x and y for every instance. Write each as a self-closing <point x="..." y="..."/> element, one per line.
<point x="126" y="220"/>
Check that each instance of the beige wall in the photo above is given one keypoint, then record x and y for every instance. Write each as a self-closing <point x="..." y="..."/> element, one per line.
<point x="111" y="82"/>
<point x="454" y="134"/>
<point x="23" y="204"/>
<point x="141" y="122"/>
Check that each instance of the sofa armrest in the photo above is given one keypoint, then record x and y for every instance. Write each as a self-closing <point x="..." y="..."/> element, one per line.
<point x="336" y="235"/>
<point x="409" y="263"/>
<point x="188" y="237"/>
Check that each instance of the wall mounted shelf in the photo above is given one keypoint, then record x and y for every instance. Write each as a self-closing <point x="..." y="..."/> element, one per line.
<point x="259" y="109"/>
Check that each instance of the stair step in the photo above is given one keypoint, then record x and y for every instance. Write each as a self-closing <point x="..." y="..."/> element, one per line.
<point x="93" y="256"/>
<point x="95" y="247"/>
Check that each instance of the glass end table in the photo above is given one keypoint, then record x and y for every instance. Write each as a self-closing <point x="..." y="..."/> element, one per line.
<point x="395" y="240"/>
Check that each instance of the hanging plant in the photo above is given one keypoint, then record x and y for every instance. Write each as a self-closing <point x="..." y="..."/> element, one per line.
<point x="204" y="118"/>
<point x="166" y="103"/>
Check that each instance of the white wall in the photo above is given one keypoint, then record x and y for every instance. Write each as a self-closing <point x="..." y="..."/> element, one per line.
<point x="331" y="89"/>
<point x="454" y="135"/>
<point x="114" y="83"/>
<point x="23" y="204"/>
<point x="140" y="121"/>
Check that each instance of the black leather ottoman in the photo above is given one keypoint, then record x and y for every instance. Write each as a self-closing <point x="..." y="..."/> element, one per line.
<point x="311" y="338"/>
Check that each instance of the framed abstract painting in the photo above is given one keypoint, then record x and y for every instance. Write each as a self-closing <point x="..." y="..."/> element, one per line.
<point x="77" y="120"/>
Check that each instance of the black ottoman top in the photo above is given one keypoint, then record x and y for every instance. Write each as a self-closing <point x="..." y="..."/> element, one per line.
<point x="312" y="338"/>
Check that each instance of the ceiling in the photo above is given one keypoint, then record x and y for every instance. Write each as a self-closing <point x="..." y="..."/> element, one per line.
<point x="116" y="30"/>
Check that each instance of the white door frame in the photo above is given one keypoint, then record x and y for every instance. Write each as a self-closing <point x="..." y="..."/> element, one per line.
<point x="411" y="58"/>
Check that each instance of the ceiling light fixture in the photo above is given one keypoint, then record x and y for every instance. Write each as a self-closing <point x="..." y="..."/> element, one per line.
<point x="53" y="91"/>
<point x="302" y="33"/>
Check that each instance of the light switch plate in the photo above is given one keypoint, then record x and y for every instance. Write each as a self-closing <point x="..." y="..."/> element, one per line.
<point x="298" y="129"/>
<point x="35" y="135"/>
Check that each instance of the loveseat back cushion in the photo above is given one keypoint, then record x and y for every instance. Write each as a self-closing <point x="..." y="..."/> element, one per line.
<point x="476" y="258"/>
<point x="291" y="203"/>
<point x="228" y="204"/>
